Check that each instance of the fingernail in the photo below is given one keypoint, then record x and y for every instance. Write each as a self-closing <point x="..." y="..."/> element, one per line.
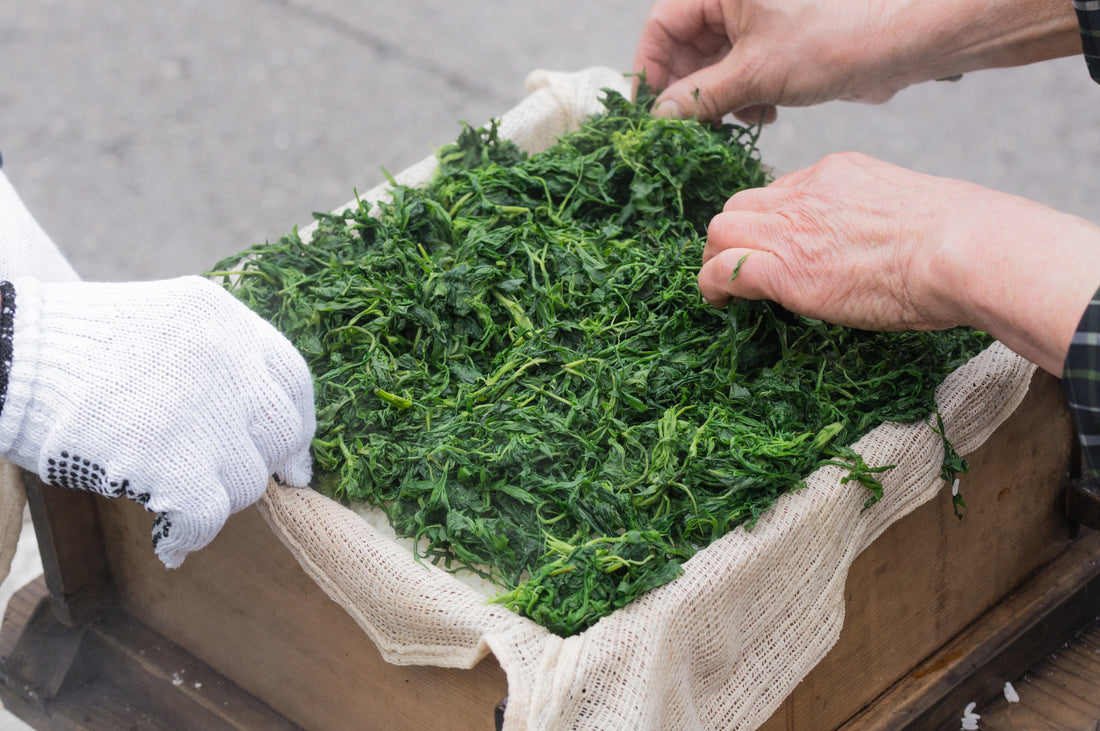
<point x="670" y="109"/>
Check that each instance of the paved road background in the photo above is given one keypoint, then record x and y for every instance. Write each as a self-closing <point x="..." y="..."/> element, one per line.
<point x="152" y="139"/>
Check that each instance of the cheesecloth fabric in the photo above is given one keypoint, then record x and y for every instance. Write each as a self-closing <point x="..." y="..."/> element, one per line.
<point x="720" y="647"/>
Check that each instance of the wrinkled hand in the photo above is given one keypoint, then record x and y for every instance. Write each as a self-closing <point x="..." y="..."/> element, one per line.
<point x="170" y="393"/>
<point x="843" y="241"/>
<point x="714" y="57"/>
<point x="862" y="243"/>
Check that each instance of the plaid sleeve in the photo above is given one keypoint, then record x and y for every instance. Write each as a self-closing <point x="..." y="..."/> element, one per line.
<point x="1081" y="381"/>
<point x="1088" y="20"/>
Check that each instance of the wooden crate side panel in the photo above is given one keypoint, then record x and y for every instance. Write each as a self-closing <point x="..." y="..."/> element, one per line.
<point x="245" y="607"/>
<point x="930" y="575"/>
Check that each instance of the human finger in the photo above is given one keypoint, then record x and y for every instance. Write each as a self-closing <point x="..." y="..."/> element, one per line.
<point x="759" y="200"/>
<point x="736" y="273"/>
<point x="741" y="229"/>
<point x="285" y="418"/>
<point x="674" y="35"/>
<point x="191" y="519"/>
<point x="794" y="178"/>
<point x="708" y="93"/>
<point x="757" y="114"/>
<point x="297" y="470"/>
<point x="280" y="433"/>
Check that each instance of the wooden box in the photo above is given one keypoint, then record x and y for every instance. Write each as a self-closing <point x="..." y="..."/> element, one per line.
<point x="939" y="612"/>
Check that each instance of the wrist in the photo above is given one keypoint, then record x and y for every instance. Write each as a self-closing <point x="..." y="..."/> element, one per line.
<point x="948" y="38"/>
<point x="1020" y="271"/>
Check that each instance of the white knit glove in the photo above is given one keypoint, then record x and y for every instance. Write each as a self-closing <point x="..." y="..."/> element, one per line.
<point x="25" y="249"/>
<point x="171" y="393"/>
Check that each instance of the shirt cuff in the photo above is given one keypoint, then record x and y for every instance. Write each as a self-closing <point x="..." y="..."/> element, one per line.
<point x="1081" y="382"/>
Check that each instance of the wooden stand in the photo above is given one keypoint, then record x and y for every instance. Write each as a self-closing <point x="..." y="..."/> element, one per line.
<point x="113" y="672"/>
<point x="938" y="610"/>
<point x="241" y="611"/>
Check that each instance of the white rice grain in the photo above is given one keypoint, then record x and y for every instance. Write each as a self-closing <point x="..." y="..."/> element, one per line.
<point x="970" y="719"/>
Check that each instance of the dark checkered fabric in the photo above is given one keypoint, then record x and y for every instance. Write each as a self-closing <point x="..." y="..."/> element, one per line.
<point x="1081" y="381"/>
<point x="1088" y="20"/>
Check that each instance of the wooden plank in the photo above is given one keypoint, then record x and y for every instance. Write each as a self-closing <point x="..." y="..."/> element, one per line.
<point x="1037" y="702"/>
<point x="44" y="656"/>
<point x="1058" y="704"/>
<point x="153" y="665"/>
<point x="930" y="575"/>
<point x="1010" y="638"/>
<point x="1018" y="717"/>
<point x="1086" y="662"/>
<point x="18" y="612"/>
<point x="1063" y="688"/>
<point x="1083" y="502"/>
<point x="114" y="673"/>
<point x="71" y="545"/>
<point x="1090" y="638"/>
<point x="1077" y="682"/>
<point x="245" y="607"/>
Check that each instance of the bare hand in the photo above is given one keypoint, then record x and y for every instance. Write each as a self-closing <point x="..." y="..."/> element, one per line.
<point x="746" y="56"/>
<point x="862" y="243"/>
<point x="714" y="57"/>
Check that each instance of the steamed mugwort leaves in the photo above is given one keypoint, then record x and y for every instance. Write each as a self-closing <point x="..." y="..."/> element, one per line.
<point x="515" y="363"/>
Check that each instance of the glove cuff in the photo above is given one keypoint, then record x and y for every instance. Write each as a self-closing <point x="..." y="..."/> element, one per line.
<point x="19" y="346"/>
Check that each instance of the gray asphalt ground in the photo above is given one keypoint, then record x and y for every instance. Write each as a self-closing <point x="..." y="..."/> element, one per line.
<point x="152" y="139"/>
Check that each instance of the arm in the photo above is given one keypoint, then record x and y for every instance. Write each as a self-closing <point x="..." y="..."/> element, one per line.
<point x="859" y="242"/>
<point x="172" y="393"/>
<point x="25" y="249"/>
<point x="714" y="57"/>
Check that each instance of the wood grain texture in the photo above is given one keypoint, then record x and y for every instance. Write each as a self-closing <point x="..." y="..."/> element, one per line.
<point x="245" y="607"/>
<point x="113" y="673"/>
<point x="70" y="543"/>
<point x="1060" y="692"/>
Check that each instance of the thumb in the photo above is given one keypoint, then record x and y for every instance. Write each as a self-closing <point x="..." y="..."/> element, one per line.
<point x="709" y="93"/>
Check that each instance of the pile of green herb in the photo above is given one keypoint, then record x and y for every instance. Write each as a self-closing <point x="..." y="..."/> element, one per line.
<point x="514" y="361"/>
